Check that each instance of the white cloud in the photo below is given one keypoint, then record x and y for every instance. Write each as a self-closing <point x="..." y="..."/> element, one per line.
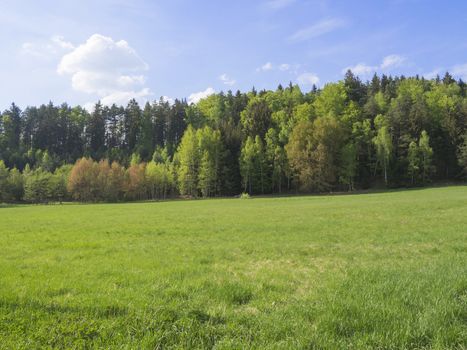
<point x="268" y="66"/>
<point x="168" y="99"/>
<point x="265" y="67"/>
<point x="197" y="96"/>
<point x="322" y="27"/>
<point x="432" y="74"/>
<point x="100" y="53"/>
<point x="227" y="80"/>
<point x="60" y="41"/>
<point x="89" y="106"/>
<point x="308" y="79"/>
<point x="361" y="69"/>
<point x="457" y="71"/>
<point x="122" y="97"/>
<point x="50" y="48"/>
<point x="388" y="62"/>
<point x="278" y="4"/>
<point x="460" y="70"/>
<point x="392" y="61"/>
<point x="110" y="69"/>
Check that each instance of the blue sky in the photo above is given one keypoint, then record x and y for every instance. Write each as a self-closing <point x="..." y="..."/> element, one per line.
<point x="83" y="51"/>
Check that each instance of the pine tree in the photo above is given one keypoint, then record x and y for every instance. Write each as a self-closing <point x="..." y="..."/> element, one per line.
<point x="96" y="132"/>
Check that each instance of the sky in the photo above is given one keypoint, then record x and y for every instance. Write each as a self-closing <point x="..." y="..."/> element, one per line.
<point x="83" y="51"/>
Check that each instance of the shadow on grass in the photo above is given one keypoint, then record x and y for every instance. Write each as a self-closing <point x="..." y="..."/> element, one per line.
<point x="99" y="311"/>
<point x="358" y="192"/>
<point x="263" y="196"/>
<point x="10" y="205"/>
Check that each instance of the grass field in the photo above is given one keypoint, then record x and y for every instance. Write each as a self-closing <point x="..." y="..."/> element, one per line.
<point x="373" y="271"/>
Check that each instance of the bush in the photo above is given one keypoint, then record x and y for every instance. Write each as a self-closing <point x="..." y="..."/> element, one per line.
<point x="36" y="186"/>
<point x="245" y="196"/>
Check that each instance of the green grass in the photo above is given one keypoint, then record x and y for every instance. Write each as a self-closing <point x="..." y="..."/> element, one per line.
<point x="373" y="271"/>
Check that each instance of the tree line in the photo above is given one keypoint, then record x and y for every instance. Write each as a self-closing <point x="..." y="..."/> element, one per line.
<point x="388" y="131"/>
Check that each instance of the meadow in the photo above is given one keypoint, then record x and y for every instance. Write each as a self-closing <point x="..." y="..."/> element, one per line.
<point x="364" y="271"/>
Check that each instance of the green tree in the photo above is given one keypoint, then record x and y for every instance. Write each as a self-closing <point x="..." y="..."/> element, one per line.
<point x="4" y="185"/>
<point x="256" y="118"/>
<point x="261" y="165"/>
<point x="207" y="175"/>
<point x="414" y="162"/>
<point x="132" y="125"/>
<point x="12" y="127"/>
<point x="16" y="185"/>
<point x="146" y="139"/>
<point x="426" y="155"/>
<point x="159" y="179"/>
<point x="277" y="159"/>
<point x="247" y="164"/>
<point x="211" y="155"/>
<point x="160" y="155"/>
<point x="95" y="132"/>
<point x="349" y="163"/>
<point x="58" y="183"/>
<point x="383" y="144"/>
<point x="47" y="162"/>
<point x="313" y="153"/>
<point x="331" y="101"/>
<point x="188" y="157"/>
<point x="462" y="154"/>
<point x="36" y="186"/>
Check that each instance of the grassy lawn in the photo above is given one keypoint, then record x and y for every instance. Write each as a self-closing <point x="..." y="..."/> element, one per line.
<point x="384" y="271"/>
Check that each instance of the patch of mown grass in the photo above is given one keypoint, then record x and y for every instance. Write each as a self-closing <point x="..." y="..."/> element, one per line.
<point x="375" y="271"/>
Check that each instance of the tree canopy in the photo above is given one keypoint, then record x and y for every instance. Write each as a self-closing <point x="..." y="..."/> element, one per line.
<point x="389" y="131"/>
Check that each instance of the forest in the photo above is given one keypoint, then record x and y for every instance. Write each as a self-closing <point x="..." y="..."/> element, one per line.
<point x="349" y="135"/>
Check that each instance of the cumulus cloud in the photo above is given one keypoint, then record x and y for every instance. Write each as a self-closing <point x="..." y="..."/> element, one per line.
<point x="308" y="79"/>
<point x="110" y="69"/>
<point x="318" y="29"/>
<point x="227" y="80"/>
<point x="388" y="62"/>
<point x="197" y="96"/>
